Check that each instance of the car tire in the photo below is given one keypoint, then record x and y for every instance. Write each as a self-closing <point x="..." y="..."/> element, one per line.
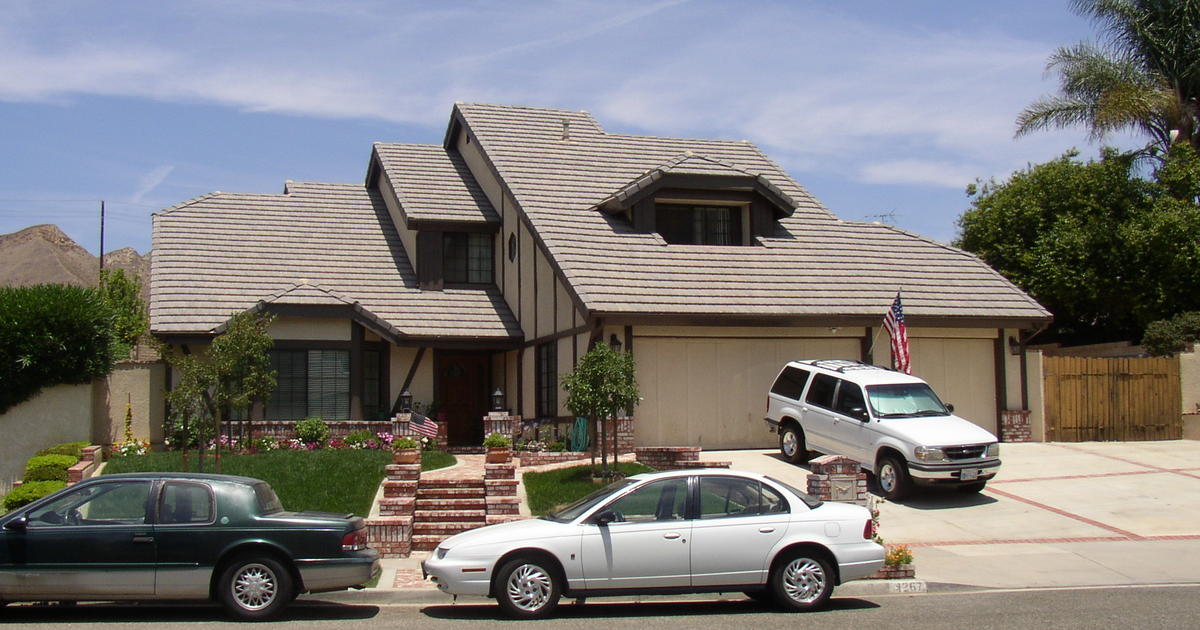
<point x="255" y="588"/>
<point x="792" y="445"/>
<point x="973" y="487"/>
<point x="892" y="476"/>
<point x="528" y="588"/>
<point x="801" y="582"/>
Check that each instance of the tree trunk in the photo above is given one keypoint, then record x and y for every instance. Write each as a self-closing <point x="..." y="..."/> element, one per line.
<point x="603" y="449"/>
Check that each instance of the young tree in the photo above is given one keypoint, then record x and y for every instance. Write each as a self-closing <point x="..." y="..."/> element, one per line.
<point x="122" y="293"/>
<point x="603" y="385"/>
<point x="233" y="373"/>
<point x="1143" y="76"/>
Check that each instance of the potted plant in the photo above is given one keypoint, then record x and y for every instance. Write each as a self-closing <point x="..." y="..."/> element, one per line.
<point x="406" y="450"/>
<point x="499" y="448"/>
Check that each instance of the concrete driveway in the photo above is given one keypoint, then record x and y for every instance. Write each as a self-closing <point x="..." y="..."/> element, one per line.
<point x="1059" y="514"/>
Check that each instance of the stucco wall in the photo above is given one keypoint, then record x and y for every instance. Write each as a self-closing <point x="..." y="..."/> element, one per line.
<point x="140" y="385"/>
<point x="310" y="329"/>
<point x="62" y="413"/>
<point x="422" y="384"/>
<point x="1189" y="381"/>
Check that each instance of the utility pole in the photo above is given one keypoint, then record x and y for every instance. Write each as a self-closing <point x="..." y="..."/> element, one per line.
<point x="101" y="236"/>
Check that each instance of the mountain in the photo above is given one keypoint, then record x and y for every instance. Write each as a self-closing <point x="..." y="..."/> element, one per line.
<point x="43" y="254"/>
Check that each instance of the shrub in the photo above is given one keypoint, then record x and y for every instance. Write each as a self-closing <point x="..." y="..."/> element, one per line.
<point x="312" y="430"/>
<point x="404" y="442"/>
<point x="48" y="467"/>
<point x="53" y="334"/>
<point x="358" y="439"/>
<point x="74" y="449"/>
<point x="27" y="493"/>
<point x="497" y="440"/>
<point x="556" y="447"/>
<point x="1168" y="336"/>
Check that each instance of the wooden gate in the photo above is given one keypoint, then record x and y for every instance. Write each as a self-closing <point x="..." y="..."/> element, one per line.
<point x="1112" y="399"/>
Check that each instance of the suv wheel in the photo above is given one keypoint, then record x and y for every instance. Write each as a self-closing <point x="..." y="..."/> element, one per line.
<point x="893" y="478"/>
<point x="791" y="444"/>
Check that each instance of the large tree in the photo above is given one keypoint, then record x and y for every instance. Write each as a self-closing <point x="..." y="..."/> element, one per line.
<point x="1143" y="76"/>
<point x="1106" y="251"/>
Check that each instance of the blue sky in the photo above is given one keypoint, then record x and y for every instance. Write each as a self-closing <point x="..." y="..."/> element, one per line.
<point x="877" y="107"/>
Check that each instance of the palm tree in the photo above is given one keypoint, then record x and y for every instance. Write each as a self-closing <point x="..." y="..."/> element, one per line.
<point x="1144" y="77"/>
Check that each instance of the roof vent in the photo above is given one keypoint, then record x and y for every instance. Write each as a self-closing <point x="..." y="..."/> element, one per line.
<point x="566" y="130"/>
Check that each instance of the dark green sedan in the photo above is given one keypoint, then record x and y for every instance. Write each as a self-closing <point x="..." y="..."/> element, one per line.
<point x="178" y="536"/>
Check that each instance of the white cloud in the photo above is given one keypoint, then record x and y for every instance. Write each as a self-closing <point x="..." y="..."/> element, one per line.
<point x="149" y="181"/>
<point x="920" y="173"/>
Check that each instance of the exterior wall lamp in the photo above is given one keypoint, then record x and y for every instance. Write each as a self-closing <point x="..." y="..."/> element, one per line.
<point x="498" y="399"/>
<point x="406" y="401"/>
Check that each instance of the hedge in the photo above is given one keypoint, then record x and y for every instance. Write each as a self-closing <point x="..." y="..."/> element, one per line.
<point x="74" y="449"/>
<point x="48" y="467"/>
<point x="29" y="492"/>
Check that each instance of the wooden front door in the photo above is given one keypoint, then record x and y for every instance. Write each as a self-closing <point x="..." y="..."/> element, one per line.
<point x="461" y="388"/>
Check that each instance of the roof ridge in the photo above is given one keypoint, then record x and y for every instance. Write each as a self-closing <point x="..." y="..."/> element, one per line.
<point x="306" y="284"/>
<point x="184" y="204"/>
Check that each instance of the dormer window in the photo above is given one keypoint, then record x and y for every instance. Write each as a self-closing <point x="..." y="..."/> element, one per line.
<point x="467" y="257"/>
<point x="691" y="224"/>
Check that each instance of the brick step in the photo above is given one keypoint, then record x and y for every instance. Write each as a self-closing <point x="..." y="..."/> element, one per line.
<point x="451" y="493"/>
<point x="442" y="528"/>
<point x="472" y="503"/>
<point x="449" y="516"/>
<point x="426" y="542"/>
<point x="450" y="483"/>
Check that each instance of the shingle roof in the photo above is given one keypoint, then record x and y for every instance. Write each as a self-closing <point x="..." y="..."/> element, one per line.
<point x="817" y="265"/>
<point x="690" y="164"/>
<point x="432" y="183"/>
<point x="316" y="245"/>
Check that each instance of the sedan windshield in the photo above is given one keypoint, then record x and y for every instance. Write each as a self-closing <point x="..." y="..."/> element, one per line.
<point x="572" y="511"/>
<point x="904" y="400"/>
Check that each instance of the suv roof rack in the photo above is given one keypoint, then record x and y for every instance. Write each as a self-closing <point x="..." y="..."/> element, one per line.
<point x="843" y="365"/>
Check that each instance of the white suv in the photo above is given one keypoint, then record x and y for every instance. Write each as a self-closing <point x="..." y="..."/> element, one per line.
<point x="891" y="423"/>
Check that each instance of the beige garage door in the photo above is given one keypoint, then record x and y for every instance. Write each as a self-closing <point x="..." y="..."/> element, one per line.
<point x="713" y="392"/>
<point x="963" y="373"/>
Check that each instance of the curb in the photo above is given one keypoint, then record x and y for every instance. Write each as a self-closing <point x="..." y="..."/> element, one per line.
<point x="432" y="596"/>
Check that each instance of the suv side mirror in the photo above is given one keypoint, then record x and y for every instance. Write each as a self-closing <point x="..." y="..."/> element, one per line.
<point x="858" y="413"/>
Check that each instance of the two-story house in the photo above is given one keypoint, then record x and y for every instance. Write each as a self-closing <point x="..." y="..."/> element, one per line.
<point x="494" y="259"/>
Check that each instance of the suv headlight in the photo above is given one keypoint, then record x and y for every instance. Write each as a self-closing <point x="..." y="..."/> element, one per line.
<point x="993" y="450"/>
<point x="929" y="454"/>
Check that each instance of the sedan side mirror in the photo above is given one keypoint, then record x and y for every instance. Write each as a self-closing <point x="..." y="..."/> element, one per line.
<point x="949" y="407"/>
<point x="605" y="517"/>
<point x="18" y="524"/>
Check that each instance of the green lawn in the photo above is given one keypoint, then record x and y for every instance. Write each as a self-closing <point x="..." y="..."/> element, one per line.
<point x="548" y="490"/>
<point x="342" y="481"/>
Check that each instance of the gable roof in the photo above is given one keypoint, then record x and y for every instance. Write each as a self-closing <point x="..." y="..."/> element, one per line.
<point x="560" y="166"/>
<point x="706" y="169"/>
<point x="316" y="246"/>
<point x="431" y="184"/>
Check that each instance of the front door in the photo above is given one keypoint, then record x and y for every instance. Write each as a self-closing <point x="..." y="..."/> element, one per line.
<point x="461" y="387"/>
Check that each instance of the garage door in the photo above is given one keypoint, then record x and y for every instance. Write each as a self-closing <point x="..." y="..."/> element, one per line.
<point x="963" y="373"/>
<point x="713" y="392"/>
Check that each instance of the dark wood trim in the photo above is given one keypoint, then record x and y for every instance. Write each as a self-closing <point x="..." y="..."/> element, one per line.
<point x="299" y="344"/>
<point x="555" y="336"/>
<point x="520" y="381"/>
<point x="536" y="293"/>
<point x="629" y="339"/>
<point x="412" y="369"/>
<point x="444" y="225"/>
<point x="867" y="352"/>
<point x="818" y="321"/>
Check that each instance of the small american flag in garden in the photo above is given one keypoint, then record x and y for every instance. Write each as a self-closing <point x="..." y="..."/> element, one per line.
<point x="894" y="323"/>
<point x="423" y="426"/>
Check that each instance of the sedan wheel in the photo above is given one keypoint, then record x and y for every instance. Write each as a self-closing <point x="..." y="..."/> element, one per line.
<point x="255" y="588"/>
<point x="527" y="589"/>
<point x="802" y="582"/>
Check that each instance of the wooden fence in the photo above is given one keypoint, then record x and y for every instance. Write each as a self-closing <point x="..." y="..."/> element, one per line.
<point x="1112" y="399"/>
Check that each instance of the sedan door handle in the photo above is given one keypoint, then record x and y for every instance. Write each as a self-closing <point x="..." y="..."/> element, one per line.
<point x="671" y="536"/>
<point x="143" y="539"/>
<point x="766" y="530"/>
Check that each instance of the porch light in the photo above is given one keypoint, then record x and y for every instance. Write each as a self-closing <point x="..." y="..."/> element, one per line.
<point x="406" y="401"/>
<point x="614" y="343"/>
<point x="498" y="399"/>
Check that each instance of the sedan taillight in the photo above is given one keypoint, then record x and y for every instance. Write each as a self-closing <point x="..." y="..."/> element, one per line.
<point x="355" y="540"/>
<point x="869" y="530"/>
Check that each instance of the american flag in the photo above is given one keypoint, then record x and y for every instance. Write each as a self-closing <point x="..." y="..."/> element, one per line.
<point x="894" y="323"/>
<point x="423" y="426"/>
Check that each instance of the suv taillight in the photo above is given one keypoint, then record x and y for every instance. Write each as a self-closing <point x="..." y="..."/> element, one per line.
<point x="355" y="540"/>
<point x="869" y="530"/>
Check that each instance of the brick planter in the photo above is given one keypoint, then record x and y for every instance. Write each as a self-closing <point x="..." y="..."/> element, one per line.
<point x="895" y="572"/>
<point x="531" y="458"/>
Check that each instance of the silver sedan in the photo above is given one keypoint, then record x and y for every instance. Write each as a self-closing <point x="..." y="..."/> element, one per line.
<point x="707" y="530"/>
